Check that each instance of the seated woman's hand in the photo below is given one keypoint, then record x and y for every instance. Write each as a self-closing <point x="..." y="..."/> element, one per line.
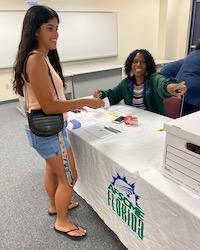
<point x="97" y="93"/>
<point x="177" y="89"/>
<point x="96" y="103"/>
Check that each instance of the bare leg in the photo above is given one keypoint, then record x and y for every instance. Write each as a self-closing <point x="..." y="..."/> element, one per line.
<point x="51" y="182"/>
<point x="63" y="196"/>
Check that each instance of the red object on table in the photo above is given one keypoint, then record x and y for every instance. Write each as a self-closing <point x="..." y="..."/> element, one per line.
<point x="131" y="120"/>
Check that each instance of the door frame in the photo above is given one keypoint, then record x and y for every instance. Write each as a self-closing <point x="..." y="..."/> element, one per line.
<point x="192" y="22"/>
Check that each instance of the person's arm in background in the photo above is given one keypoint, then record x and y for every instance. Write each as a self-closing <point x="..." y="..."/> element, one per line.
<point x="166" y="87"/>
<point x="114" y="95"/>
<point x="171" y="69"/>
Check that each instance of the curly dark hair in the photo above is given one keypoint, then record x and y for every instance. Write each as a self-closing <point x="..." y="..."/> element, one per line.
<point x="150" y="63"/>
<point x="34" y="18"/>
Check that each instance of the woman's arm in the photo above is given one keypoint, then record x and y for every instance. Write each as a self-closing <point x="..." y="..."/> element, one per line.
<point x="114" y="95"/>
<point x="38" y="76"/>
<point x="166" y="87"/>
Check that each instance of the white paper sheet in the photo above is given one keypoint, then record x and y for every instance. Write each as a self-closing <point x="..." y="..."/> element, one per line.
<point x="107" y="103"/>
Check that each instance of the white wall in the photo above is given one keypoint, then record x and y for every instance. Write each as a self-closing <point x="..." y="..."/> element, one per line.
<point x="141" y="24"/>
<point x="176" y="24"/>
<point x="184" y="20"/>
<point x="162" y="25"/>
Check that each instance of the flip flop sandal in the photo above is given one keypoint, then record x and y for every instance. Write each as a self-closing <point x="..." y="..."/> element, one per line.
<point x="72" y="237"/>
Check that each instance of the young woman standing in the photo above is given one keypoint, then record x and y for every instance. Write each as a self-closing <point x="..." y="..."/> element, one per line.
<point x="37" y="65"/>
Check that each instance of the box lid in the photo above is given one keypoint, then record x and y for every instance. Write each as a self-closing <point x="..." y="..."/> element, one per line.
<point x="187" y="127"/>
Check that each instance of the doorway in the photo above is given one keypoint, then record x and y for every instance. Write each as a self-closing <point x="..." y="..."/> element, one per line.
<point x="195" y="24"/>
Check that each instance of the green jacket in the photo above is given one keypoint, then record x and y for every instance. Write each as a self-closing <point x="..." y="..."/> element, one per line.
<point x="154" y="92"/>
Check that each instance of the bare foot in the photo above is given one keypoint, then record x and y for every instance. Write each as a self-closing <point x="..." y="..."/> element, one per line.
<point x="73" y="204"/>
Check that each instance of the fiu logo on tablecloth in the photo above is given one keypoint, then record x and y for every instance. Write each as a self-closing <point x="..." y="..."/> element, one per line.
<point x="125" y="203"/>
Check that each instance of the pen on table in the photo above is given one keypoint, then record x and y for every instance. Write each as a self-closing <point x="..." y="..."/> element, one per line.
<point x="160" y="129"/>
<point x="112" y="129"/>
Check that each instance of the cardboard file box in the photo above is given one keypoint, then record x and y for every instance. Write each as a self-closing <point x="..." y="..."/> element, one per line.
<point x="182" y="151"/>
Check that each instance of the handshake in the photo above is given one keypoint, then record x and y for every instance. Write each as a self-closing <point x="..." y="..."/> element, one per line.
<point x="97" y="93"/>
<point x="95" y="103"/>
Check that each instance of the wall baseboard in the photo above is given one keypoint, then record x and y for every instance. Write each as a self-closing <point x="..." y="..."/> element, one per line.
<point x="9" y="101"/>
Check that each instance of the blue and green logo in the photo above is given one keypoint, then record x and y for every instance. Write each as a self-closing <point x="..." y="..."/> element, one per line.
<point x="125" y="203"/>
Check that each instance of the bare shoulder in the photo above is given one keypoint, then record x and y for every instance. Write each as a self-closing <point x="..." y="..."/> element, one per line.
<point x="36" y="62"/>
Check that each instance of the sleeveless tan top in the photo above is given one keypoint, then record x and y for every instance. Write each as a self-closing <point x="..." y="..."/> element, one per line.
<point x="31" y="100"/>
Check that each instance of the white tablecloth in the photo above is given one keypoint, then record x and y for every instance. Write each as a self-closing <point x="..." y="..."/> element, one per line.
<point x="119" y="176"/>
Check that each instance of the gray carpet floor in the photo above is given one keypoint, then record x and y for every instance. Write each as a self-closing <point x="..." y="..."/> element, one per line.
<point x="24" y="222"/>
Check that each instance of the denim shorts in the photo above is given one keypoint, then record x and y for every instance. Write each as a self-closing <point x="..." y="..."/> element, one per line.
<point x="49" y="146"/>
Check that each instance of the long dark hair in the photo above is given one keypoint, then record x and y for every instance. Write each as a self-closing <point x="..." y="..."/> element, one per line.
<point x="34" y="18"/>
<point x="150" y="63"/>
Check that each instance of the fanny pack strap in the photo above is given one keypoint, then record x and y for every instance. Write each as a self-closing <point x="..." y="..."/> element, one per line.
<point x="65" y="159"/>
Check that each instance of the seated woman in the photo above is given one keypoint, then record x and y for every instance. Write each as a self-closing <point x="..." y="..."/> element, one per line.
<point x="143" y="87"/>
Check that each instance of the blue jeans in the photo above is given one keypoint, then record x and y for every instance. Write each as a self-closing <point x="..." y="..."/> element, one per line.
<point x="49" y="146"/>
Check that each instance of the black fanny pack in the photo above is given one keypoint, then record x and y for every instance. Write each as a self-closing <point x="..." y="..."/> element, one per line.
<point x="44" y="125"/>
